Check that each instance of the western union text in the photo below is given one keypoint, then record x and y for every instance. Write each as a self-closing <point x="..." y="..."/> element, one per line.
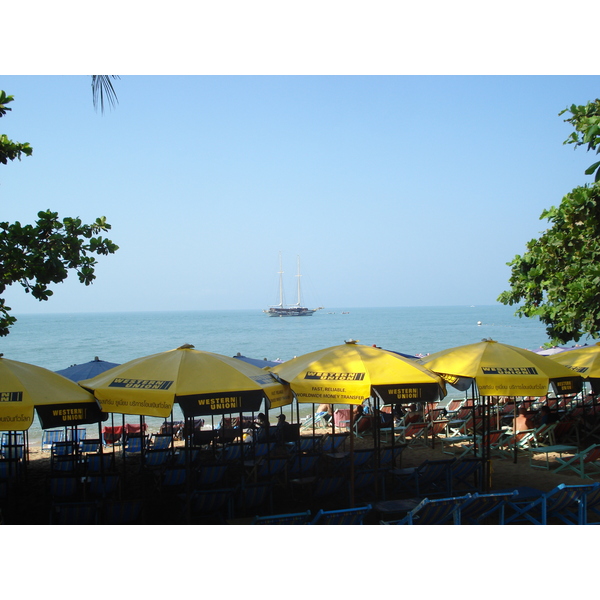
<point x="334" y="376"/>
<point x="140" y="384"/>
<point x="509" y="370"/>
<point x="223" y="403"/>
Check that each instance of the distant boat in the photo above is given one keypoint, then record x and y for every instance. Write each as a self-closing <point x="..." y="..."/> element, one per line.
<point x="291" y="310"/>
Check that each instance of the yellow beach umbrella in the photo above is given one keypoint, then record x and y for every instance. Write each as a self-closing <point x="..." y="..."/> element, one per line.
<point x="348" y="374"/>
<point x="502" y="370"/>
<point x="59" y="401"/>
<point x="351" y="373"/>
<point x="584" y="360"/>
<point x="203" y="383"/>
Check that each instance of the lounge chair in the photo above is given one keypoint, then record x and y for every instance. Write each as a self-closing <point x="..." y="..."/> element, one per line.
<point x="210" y="474"/>
<point x="466" y="475"/>
<point x="414" y="434"/>
<point x="363" y="458"/>
<point x="544" y="435"/>
<point x="156" y="459"/>
<point x="112" y="436"/>
<point x="161" y="441"/>
<point x="437" y="428"/>
<point x="211" y="504"/>
<point x="74" y="513"/>
<point x="327" y="486"/>
<point x="76" y="435"/>
<point x="432" y="512"/>
<point x="475" y="444"/>
<point x="64" y="464"/>
<point x="580" y="462"/>
<point x="135" y="445"/>
<point x="249" y="497"/>
<point x="388" y="456"/>
<point x="186" y="457"/>
<point x="13" y="451"/>
<point x="96" y="463"/>
<point x="267" y="468"/>
<point x="432" y="477"/>
<point x="260" y="449"/>
<point x="103" y="486"/>
<point x="233" y="452"/>
<point x="302" y="465"/>
<point x="90" y="446"/>
<point x="513" y="442"/>
<point x="310" y="443"/>
<point x="63" y="486"/>
<point x="349" y="516"/>
<point x="50" y="437"/>
<point x="64" y="448"/>
<point x="122" y="512"/>
<point x="563" y="502"/>
<point x="302" y="518"/>
<point x="9" y="469"/>
<point x="319" y="420"/>
<point x="591" y="502"/>
<point x="332" y="442"/>
<point x="172" y="478"/>
<point x="361" y="423"/>
<point x="480" y="508"/>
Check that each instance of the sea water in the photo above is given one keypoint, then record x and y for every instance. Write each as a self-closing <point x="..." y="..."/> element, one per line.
<point x="57" y="341"/>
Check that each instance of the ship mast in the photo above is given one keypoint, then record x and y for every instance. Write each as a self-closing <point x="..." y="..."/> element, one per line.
<point x="280" y="282"/>
<point x="299" y="295"/>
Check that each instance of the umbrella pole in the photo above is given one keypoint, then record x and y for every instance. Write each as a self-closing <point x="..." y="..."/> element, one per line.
<point x="377" y="442"/>
<point x="487" y="449"/>
<point x="514" y="430"/>
<point x="351" y="457"/>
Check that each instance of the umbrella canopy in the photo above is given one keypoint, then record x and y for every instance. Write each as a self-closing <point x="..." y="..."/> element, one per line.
<point x="348" y="374"/>
<point x="203" y="383"/>
<point x="584" y="360"/>
<point x="86" y="370"/>
<point x="59" y="401"/>
<point x="503" y="370"/>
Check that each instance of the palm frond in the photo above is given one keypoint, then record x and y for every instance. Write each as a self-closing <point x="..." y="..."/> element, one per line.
<point x="102" y="89"/>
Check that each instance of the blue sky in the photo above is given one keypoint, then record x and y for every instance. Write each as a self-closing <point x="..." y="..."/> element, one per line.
<point x="404" y="153"/>
<point x="393" y="190"/>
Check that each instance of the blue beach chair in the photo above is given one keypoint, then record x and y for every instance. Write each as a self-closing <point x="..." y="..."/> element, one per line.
<point x="249" y="497"/>
<point x="208" y="475"/>
<point x="74" y="513"/>
<point x="301" y="518"/>
<point x="332" y="442"/>
<point x="103" y="486"/>
<point x="122" y="512"/>
<point x="483" y="508"/>
<point x="50" y="437"/>
<point x="466" y="475"/>
<point x="213" y="504"/>
<point x="348" y="516"/>
<point x="566" y="503"/>
<point x="431" y="477"/>
<point x="439" y="511"/>
<point x="303" y="465"/>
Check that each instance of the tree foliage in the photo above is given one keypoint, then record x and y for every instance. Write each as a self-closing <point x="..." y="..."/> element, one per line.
<point x="586" y="120"/>
<point x="558" y="277"/>
<point x="36" y="256"/>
